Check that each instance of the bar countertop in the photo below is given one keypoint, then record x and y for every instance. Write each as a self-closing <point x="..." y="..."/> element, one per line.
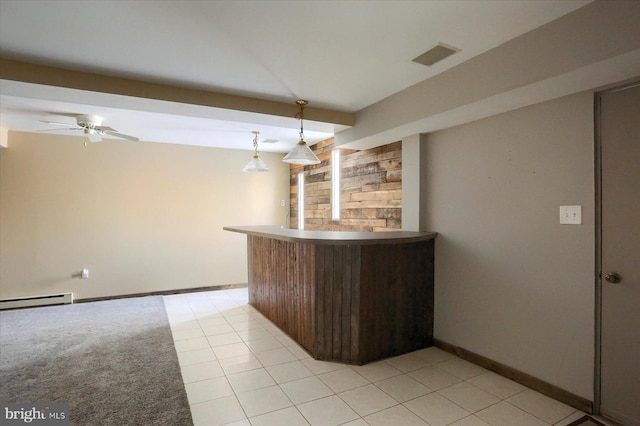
<point x="333" y="237"/>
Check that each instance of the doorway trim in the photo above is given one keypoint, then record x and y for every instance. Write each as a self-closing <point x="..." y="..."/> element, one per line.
<point x="597" y="399"/>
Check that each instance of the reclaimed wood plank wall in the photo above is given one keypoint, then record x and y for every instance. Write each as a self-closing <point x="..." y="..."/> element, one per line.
<point x="371" y="189"/>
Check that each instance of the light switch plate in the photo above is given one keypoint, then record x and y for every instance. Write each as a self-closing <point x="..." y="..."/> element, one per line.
<point x="570" y="215"/>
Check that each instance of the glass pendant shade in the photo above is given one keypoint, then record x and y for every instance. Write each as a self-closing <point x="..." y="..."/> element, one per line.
<point x="301" y="154"/>
<point x="256" y="165"/>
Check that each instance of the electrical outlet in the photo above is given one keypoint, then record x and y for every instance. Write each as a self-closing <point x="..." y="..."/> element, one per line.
<point x="85" y="274"/>
<point x="282" y="203"/>
<point x="570" y="215"/>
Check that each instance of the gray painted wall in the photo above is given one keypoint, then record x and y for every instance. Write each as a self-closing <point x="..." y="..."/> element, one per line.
<point x="512" y="284"/>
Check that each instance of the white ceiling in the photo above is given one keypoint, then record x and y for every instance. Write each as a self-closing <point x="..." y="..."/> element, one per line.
<point x="340" y="55"/>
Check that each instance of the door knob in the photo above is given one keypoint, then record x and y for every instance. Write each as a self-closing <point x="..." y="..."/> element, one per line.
<point x="613" y="278"/>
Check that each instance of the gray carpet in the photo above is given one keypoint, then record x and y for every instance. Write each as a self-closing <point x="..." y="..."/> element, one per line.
<point x="113" y="362"/>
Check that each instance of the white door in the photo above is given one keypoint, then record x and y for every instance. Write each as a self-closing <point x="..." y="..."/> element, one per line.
<point x="619" y="144"/>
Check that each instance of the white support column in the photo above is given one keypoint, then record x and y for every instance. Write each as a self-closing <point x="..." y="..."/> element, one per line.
<point x="411" y="183"/>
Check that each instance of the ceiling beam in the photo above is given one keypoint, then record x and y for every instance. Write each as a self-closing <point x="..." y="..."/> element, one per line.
<point x="26" y="72"/>
<point x="576" y="52"/>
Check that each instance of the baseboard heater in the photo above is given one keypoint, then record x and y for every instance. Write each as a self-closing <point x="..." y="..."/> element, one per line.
<point x="34" y="301"/>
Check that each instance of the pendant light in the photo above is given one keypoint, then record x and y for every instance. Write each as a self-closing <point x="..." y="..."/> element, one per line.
<point x="301" y="153"/>
<point x="255" y="164"/>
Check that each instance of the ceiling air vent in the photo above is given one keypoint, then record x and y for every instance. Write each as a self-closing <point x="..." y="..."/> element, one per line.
<point x="270" y="141"/>
<point x="435" y="54"/>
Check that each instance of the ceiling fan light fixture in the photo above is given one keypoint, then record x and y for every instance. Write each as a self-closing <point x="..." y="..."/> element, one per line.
<point x="92" y="134"/>
<point x="301" y="153"/>
<point x="255" y="164"/>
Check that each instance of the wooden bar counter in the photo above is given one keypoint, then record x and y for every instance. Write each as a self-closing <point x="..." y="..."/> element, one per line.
<point x="351" y="297"/>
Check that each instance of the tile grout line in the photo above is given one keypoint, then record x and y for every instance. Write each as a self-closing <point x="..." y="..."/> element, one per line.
<point x="232" y="303"/>
<point x="263" y="367"/>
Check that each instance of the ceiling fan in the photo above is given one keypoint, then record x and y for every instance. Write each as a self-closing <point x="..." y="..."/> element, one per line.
<point x="92" y="127"/>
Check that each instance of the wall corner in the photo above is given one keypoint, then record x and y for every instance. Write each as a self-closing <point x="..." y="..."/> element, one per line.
<point x="4" y="138"/>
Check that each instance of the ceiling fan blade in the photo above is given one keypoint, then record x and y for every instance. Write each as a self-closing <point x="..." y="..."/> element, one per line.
<point x="105" y="129"/>
<point x="122" y="135"/>
<point x="58" y="130"/>
<point x="93" y="137"/>
<point x="55" y="123"/>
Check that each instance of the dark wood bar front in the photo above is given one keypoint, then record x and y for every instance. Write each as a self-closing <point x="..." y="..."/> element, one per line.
<point x="351" y="297"/>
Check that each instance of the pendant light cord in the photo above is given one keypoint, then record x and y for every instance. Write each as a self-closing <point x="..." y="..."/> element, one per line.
<point x="255" y="146"/>
<point x="300" y="116"/>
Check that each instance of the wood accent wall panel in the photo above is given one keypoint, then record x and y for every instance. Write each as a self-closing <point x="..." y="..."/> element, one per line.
<point x="347" y="303"/>
<point x="371" y="189"/>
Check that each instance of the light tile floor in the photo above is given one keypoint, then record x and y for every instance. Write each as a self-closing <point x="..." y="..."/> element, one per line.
<point x="240" y="369"/>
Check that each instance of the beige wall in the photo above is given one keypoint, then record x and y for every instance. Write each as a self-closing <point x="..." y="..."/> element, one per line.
<point x="512" y="284"/>
<point x="141" y="216"/>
